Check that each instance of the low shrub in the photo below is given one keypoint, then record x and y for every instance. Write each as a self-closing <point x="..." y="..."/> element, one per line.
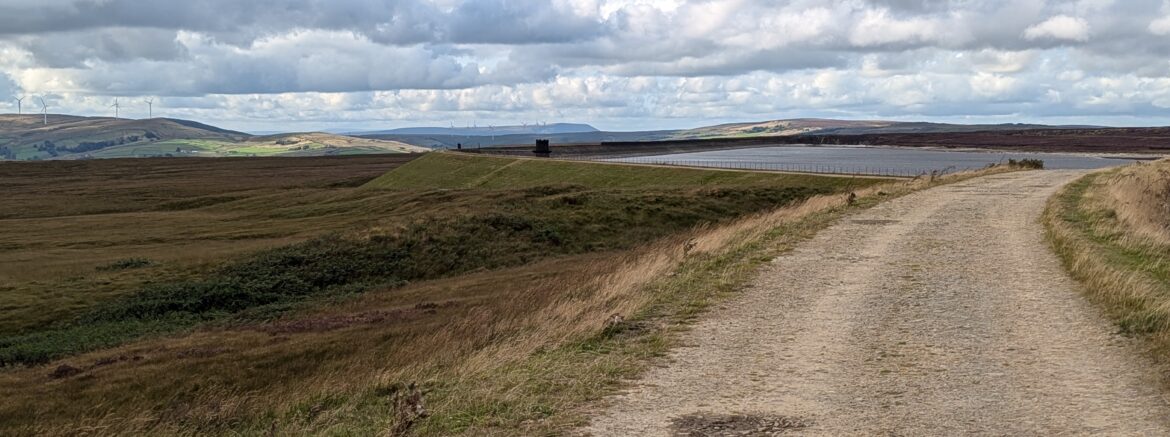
<point x="126" y="264"/>
<point x="1027" y="163"/>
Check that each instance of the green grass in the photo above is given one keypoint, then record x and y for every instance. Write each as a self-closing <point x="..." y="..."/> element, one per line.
<point x="1129" y="276"/>
<point x="452" y="171"/>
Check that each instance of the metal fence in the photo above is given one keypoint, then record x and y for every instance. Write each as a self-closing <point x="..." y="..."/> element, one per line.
<point x="857" y="170"/>
<point x="840" y="169"/>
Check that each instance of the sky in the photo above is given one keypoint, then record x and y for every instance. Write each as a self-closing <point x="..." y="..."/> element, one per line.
<point x="269" y="65"/>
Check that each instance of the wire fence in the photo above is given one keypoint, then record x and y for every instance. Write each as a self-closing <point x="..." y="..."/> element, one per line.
<point x="856" y="170"/>
<point x="841" y="169"/>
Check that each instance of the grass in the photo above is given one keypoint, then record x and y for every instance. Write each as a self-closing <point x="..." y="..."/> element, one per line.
<point x="527" y="345"/>
<point x="1111" y="231"/>
<point x="374" y="287"/>
<point x="62" y="222"/>
<point x="455" y="171"/>
<point x="512" y="228"/>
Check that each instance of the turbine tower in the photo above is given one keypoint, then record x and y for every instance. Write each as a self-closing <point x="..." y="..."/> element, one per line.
<point x="150" y="104"/>
<point x="44" y="110"/>
<point x="115" y="106"/>
<point x="19" y="100"/>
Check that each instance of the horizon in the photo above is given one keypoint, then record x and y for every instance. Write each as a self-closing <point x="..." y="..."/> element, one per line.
<point x="376" y="128"/>
<point x="620" y="65"/>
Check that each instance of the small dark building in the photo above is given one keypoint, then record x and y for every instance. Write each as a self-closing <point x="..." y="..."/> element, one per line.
<point x="542" y="149"/>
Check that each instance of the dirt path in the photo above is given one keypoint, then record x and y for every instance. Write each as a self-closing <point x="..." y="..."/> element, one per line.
<point x="940" y="313"/>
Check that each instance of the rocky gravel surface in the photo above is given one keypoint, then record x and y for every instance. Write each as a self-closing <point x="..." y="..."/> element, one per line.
<point x="939" y="313"/>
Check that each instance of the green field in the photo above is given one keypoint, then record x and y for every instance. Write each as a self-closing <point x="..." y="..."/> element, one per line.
<point x="230" y="296"/>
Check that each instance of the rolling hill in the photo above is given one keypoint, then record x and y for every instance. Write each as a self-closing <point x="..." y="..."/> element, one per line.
<point x="566" y="133"/>
<point x="490" y="131"/>
<point x="820" y="126"/>
<point x="29" y="137"/>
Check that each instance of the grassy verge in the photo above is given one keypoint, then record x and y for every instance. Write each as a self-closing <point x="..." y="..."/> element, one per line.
<point x="1111" y="235"/>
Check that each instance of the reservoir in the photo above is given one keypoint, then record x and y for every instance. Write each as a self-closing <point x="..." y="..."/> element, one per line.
<point x="890" y="161"/>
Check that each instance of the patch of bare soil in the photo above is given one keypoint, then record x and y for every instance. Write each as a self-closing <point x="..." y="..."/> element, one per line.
<point x="716" y="425"/>
<point x="939" y="313"/>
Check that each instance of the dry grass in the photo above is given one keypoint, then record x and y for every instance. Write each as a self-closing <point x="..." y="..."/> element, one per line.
<point x="1140" y="196"/>
<point x="1109" y="232"/>
<point x="61" y="221"/>
<point x="524" y="350"/>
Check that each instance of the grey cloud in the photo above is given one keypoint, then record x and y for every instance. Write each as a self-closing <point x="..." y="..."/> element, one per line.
<point x="8" y="87"/>
<point x="74" y="49"/>
<point x="241" y="22"/>
<point x="714" y="59"/>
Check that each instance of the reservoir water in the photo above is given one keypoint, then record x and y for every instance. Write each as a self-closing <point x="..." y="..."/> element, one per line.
<point x="889" y="161"/>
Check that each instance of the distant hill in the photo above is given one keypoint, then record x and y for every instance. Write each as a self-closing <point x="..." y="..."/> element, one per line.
<point x="488" y="131"/>
<point x="482" y="137"/>
<point x="471" y="141"/>
<point x="24" y="137"/>
<point x="805" y="126"/>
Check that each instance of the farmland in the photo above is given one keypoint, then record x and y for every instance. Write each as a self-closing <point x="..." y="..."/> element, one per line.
<point x="303" y="294"/>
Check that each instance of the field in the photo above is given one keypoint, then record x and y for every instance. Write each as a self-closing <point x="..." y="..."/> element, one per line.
<point x="304" y="295"/>
<point x="1112" y="230"/>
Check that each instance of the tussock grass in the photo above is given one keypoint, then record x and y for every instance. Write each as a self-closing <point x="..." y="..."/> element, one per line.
<point x="527" y="348"/>
<point x="1110" y="230"/>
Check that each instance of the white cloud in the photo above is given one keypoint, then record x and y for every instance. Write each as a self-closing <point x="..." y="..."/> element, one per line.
<point x="1060" y="27"/>
<point x="1160" y="26"/>
<point x="879" y="28"/>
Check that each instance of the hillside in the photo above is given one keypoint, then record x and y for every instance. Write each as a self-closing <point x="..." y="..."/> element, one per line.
<point x="28" y="137"/>
<point x="806" y="126"/>
<point x="302" y="300"/>
<point x="490" y="131"/>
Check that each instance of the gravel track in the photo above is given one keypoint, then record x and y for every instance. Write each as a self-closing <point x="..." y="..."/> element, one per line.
<point x="938" y="313"/>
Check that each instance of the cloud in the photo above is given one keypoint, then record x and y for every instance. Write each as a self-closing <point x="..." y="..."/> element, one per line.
<point x="1060" y="27"/>
<point x="625" y="62"/>
<point x="1160" y="26"/>
<point x="8" y="87"/>
<point x="877" y="28"/>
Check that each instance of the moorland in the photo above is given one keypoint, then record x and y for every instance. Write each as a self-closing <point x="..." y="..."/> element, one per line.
<point x="321" y="295"/>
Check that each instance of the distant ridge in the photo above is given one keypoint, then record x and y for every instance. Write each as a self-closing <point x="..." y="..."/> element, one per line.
<point x="586" y="134"/>
<point x="482" y="131"/>
<point x="28" y="137"/>
<point x="805" y="126"/>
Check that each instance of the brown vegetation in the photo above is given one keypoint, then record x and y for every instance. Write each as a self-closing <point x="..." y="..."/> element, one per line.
<point x="68" y="229"/>
<point x="517" y="350"/>
<point x="1155" y="141"/>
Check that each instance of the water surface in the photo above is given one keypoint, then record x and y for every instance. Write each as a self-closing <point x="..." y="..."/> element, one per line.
<point x="868" y="160"/>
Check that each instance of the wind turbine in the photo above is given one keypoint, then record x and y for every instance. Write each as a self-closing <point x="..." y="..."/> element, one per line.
<point x="19" y="100"/>
<point x="44" y="110"/>
<point x="150" y="104"/>
<point x="115" y="106"/>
